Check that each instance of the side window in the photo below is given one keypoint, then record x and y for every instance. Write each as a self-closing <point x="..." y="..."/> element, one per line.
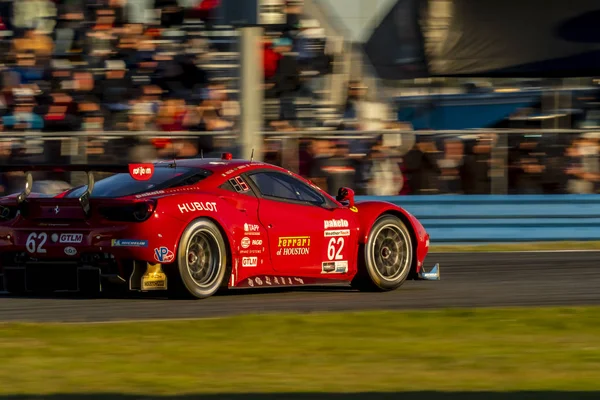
<point x="285" y="187"/>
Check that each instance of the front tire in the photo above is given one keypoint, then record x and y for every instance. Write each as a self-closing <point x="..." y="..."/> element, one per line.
<point x="386" y="258"/>
<point x="201" y="261"/>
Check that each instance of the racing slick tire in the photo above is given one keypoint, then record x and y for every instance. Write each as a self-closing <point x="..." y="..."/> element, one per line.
<point x="386" y="259"/>
<point x="201" y="268"/>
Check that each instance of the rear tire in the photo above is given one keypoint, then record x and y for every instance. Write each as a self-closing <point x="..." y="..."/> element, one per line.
<point x="386" y="259"/>
<point x="201" y="267"/>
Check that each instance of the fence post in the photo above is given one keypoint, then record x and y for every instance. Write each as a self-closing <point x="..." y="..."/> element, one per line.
<point x="252" y="78"/>
<point x="499" y="167"/>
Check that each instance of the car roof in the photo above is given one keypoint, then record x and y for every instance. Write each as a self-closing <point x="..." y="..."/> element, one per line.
<point x="218" y="166"/>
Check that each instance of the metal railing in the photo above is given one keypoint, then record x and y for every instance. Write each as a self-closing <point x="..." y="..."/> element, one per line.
<point x="532" y="161"/>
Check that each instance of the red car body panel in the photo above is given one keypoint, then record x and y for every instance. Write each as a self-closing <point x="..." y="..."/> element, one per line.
<point x="270" y="242"/>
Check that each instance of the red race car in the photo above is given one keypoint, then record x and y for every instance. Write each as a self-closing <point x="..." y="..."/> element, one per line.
<point x="192" y="227"/>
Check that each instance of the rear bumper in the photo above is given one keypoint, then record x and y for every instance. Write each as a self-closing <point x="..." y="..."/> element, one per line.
<point x="75" y="243"/>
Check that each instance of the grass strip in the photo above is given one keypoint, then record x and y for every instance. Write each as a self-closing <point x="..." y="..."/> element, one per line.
<point x="451" y="350"/>
<point x="533" y="246"/>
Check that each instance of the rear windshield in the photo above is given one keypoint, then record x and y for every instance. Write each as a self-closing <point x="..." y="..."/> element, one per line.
<point x="120" y="185"/>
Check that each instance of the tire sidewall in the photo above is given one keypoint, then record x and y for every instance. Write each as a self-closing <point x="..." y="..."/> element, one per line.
<point x="191" y="286"/>
<point x="370" y="267"/>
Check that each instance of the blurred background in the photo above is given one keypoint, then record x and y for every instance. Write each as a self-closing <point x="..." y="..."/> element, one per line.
<point x="390" y="97"/>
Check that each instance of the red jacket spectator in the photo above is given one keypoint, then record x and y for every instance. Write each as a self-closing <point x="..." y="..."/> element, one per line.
<point x="270" y="60"/>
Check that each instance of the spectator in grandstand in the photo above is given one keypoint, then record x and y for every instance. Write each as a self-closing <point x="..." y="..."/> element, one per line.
<point x="23" y="117"/>
<point x="421" y="166"/>
<point x="584" y="168"/>
<point x="455" y="167"/>
<point x="526" y="165"/>
<point x="286" y="80"/>
<point x="379" y="173"/>
<point x="480" y="169"/>
<point x="310" y="45"/>
<point x="59" y="112"/>
<point x="34" y="42"/>
<point x="115" y="91"/>
<point x="319" y="153"/>
<point x="33" y="14"/>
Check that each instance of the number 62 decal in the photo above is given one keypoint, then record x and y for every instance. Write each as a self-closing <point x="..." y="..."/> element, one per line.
<point x="334" y="249"/>
<point x="35" y="242"/>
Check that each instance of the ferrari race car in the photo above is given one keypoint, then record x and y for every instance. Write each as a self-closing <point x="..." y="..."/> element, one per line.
<point x="192" y="227"/>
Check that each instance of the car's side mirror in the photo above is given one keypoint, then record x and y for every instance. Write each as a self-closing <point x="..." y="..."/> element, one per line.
<point x="346" y="195"/>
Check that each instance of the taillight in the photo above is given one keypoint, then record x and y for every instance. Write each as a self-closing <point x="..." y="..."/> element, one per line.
<point x="144" y="210"/>
<point x="8" y="213"/>
<point x="135" y="212"/>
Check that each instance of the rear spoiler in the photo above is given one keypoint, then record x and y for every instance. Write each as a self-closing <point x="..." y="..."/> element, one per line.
<point x="140" y="172"/>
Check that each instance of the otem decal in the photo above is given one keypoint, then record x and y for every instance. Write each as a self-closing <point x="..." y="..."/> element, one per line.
<point x="163" y="255"/>
<point x="70" y="251"/>
<point x="197" y="206"/>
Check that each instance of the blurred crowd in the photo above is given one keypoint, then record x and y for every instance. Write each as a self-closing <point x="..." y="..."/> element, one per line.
<point x="131" y="65"/>
<point x="483" y="163"/>
<point x="168" y="66"/>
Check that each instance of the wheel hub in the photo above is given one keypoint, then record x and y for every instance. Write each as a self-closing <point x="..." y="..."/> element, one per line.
<point x="385" y="252"/>
<point x="192" y="257"/>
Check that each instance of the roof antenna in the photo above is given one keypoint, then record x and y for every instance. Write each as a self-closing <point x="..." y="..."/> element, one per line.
<point x="252" y="155"/>
<point x="202" y="154"/>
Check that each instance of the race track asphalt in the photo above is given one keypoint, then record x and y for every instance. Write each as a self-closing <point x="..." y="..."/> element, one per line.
<point x="468" y="280"/>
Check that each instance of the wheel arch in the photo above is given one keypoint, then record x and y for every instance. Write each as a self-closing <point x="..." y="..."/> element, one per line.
<point x="371" y="211"/>
<point x="229" y="259"/>
<point x="413" y="238"/>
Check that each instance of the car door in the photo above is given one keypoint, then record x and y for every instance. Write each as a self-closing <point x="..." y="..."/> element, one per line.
<point x="308" y="234"/>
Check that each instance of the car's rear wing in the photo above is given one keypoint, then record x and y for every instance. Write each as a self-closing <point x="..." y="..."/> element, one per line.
<point x="141" y="172"/>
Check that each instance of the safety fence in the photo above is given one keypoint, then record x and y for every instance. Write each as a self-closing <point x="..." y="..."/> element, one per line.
<point x="496" y="219"/>
<point x="488" y="161"/>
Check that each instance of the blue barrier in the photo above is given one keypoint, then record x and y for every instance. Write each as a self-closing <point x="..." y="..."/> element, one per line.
<point x="503" y="218"/>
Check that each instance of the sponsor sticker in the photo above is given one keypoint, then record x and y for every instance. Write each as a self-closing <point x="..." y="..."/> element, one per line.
<point x="336" y="223"/>
<point x="163" y="255"/>
<point x="154" y="193"/>
<point x="197" y="206"/>
<point x="245" y="242"/>
<point x="129" y="243"/>
<point x="257" y="242"/>
<point x="154" y="278"/>
<point x="141" y="172"/>
<point x="334" y="267"/>
<point x="249" y="261"/>
<point x="70" y="251"/>
<point x="338" y="232"/>
<point x="70" y="238"/>
<point x="274" y="281"/>
<point x="293" y="246"/>
<point x="353" y="209"/>
<point x="251" y="228"/>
